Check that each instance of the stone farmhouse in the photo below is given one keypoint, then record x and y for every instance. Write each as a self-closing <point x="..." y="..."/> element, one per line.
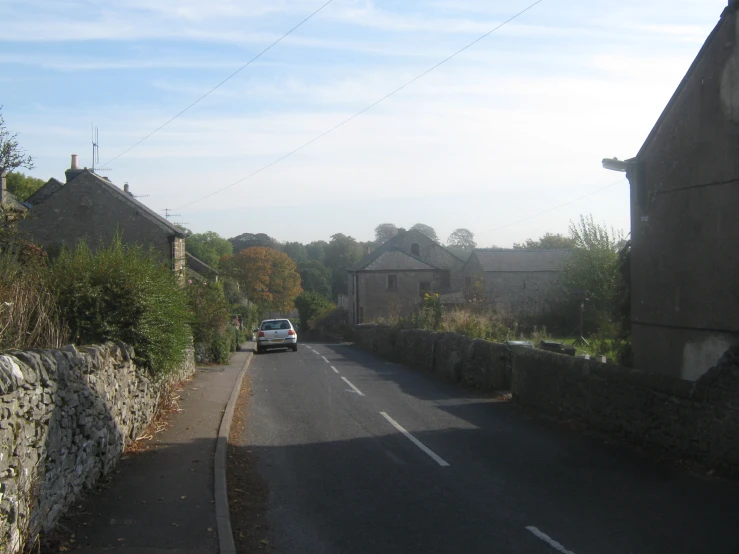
<point x="391" y="281"/>
<point x="91" y="207"/>
<point x="521" y="281"/>
<point x="684" y="184"/>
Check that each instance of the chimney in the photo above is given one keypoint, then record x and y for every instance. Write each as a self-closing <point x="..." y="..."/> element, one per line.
<point x="126" y="189"/>
<point x="3" y="188"/>
<point x="74" y="169"/>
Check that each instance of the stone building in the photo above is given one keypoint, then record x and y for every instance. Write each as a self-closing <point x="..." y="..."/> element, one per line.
<point x="90" y="207"/>
<point x="391" y="281"/>
<point x="684" y="184"/>
<point x="516" y="281"/>
<point x="7" y="198"/>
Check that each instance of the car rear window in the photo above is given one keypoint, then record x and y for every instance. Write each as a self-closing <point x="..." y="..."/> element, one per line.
<point x="275" y="325"/>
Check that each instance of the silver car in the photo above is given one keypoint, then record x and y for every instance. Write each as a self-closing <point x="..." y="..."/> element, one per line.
<point x="276" y="333"/>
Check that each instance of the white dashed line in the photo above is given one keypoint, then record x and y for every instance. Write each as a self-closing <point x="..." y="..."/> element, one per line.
<point x="549" y="540"/>
<point x="415" y="441"/>
<point x="335" y="370"/>
<point x="324" y="359"/>
<point x="359" y="392"/>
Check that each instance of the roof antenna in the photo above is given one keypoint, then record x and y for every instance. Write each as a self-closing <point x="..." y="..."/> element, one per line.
<point x="96" y="149"/>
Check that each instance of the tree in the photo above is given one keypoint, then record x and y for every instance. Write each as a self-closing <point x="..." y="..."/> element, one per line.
<point x="247" y="240"/>
<point x="295" y="250"/>
<point x="595" y="267"/>
<point x="341" y="253"/>
<point x="384" y="232"/>
<point x="316" y="250"/>
<point x="426" y="230"/>
<point x="547" y="242"/>
<point x="315" y="277"/>
<point x="312" y="305"/>
<point x="209" y="247"/>
<point x="23" y="186"/>
<point x="462" y="238"/>
<point x="268" y="277"/>
<point x="12" y="156"/>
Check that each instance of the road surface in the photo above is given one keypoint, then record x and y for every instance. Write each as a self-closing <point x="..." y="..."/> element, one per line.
<point x="364" y="456"/>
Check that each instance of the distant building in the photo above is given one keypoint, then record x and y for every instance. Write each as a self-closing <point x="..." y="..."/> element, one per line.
<point x="90" y="207"/>
<point x="520" y="281"/>
<point x="391" y="281"/>
<point x="684" y="226"/>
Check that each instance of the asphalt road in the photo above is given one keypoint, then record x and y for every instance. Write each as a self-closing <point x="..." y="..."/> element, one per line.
<point x="361" y="456"/>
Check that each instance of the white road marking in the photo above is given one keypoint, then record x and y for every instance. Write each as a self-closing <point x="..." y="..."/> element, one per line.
<point x="549" y="540"/>
<point x="415" y="441"/>
<point x="335" y="370"/>
<point x="359" y="392"/>
<point x="324" y="359"/>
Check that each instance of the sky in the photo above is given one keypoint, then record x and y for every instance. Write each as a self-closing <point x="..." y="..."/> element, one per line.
<point x="505" y="139"/>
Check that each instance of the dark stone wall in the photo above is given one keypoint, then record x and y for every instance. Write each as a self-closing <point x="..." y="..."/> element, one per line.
<point x="692" y="420"/>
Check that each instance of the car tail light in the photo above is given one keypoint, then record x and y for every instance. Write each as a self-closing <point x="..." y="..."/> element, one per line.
<point x="291" y="332"/>
<point x="261" y="334"/>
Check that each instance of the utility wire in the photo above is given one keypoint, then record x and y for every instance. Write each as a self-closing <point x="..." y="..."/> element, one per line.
<point x="552" y="208"/>
<point x="163" y="125"/>
<point x="347" y="120"/>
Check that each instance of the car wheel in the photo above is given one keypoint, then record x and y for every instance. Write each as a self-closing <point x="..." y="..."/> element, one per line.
<point x="258" y="350"/>
<point x="295" y="348"/>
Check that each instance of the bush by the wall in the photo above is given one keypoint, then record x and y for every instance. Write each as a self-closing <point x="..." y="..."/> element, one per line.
<point x="211" y="313"/>
<point x="123" y="292"/>
<point x="29" y="312"/>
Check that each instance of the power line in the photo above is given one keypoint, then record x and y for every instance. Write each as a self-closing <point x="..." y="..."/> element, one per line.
<point x="163" y="125"/>
<point x="344" y="122"/>
<point x="552" y="208"/>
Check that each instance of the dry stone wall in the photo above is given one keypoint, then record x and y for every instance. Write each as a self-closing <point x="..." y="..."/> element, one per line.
<point x="65" y="418"/>
<point x="692" y="420"/>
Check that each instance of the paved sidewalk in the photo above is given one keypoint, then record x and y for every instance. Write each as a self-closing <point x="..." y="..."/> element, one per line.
<point x="162" y="500"/>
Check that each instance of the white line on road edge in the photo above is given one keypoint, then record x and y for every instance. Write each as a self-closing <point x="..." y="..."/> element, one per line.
<point x="336" y="370"/>
<point x="415" y="441"/>
<point x="324" y="359"/>
<point x="549" y="540"/>
<point x="359" y="392"/>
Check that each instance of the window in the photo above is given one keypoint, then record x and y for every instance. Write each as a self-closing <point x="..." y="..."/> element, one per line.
<point x="361" y="314"/>
<point x="415" y="249"/>
<point x="445" y="279"/>
<point x="524" y="285"/>
<point x="468" y="282"/>
<point x="392" y="282"/>
<point x="424" y="287"/>
<point x="275" y="325"/>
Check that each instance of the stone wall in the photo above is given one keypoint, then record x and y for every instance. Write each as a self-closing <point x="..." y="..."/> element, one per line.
<point x="67" y="416"/>
<point x="691" y="420"/>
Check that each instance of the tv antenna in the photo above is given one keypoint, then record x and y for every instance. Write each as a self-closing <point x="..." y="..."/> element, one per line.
<point x="168" y="213"/>
<point x="96" y="149"/>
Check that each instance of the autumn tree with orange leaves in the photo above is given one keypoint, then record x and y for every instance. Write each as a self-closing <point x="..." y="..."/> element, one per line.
<point x="268" y="277"/>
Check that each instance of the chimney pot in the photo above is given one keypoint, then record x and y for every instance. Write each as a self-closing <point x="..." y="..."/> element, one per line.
<point x="3" y="188"/>
<point x="74" y="161"/>
<point x="125" y="187"/>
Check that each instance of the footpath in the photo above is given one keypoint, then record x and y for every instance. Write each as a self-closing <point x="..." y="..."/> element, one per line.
<point x="162" y="497"/>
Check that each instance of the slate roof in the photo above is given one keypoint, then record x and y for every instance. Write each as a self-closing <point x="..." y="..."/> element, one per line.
<point x="199" y="267"/>
<point x="12" y="202"/>
<point x="145" y="211"/>
<point x="49" y="188"/>
<point x="521" y="260"/>
<point x="395" y="260"/>
<point x="391" y="244"/>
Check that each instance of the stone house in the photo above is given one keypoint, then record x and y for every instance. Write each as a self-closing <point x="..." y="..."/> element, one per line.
<point x="684" y="184"/>
<point x="7" y="198"/>
<point x="517" y="281"/>
<point x="391" y="281"/>
<point x="90" y="207"/>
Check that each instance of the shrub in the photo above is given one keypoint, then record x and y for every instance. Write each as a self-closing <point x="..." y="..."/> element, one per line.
<point x="29" y="312"/>
<point x="123" y="292"/>
<point x="311" y="306"/>
<point x="211" y="313"/>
